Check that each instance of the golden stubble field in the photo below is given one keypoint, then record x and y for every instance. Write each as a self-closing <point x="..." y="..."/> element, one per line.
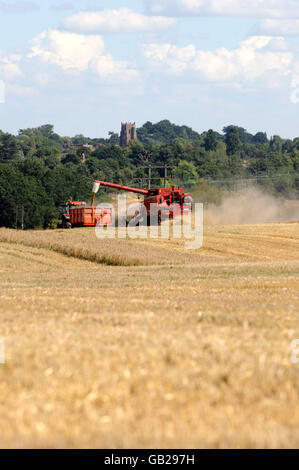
<point x="136" y="343"/>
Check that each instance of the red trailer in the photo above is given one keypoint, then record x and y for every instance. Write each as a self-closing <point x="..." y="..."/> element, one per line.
<point x="90" y="216"/>
<point x="78" y="214"/>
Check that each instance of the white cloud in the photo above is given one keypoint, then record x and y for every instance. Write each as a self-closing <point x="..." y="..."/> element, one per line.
<point x="67" y="50"/>
<point x="174" y="58"/>
<point x="255" y="58"/>
<point x="123" y="20"/>
<point x="248" y="8"/>
<point x="9" y="68"/>
<point x="79" y="53"/>
<point x="111" y="71"/>
<point x="278" y="27"/>
<point x="10" y="71"/>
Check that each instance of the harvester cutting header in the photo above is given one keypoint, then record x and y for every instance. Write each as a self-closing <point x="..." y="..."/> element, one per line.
<point x="168" y="202"/>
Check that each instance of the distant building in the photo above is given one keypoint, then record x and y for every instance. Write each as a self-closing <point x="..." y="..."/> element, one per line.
<point x="88" y="146"/>
<point x="128" y="133"/>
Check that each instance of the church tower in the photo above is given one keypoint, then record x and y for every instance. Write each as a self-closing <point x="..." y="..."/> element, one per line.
<point x="128" y="133"/>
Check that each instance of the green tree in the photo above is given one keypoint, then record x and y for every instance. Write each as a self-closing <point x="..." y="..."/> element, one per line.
<point x="113" y="138"/>
<point x="244" y="136"/>
<point x="210" y="141"/>
<point x="260" y="138"/>
<point x="9" y="149"/>
<point x="164" y="132"/>
<point x="232" y="140"/>
<point x="276" y="143"/>
<point x="185" y="173"/>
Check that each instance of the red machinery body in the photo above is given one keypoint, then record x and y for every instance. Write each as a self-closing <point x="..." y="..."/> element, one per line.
<point x="90" y="216"/>
<point x="170" y="202"/>
<point x="78" y="214"/>
<point x="173" y="201"/>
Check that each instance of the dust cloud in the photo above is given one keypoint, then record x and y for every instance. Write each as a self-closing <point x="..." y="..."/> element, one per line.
<point x="251" y="206"/>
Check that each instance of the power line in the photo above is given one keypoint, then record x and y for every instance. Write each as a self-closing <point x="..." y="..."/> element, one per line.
<point x="256" y="178"/>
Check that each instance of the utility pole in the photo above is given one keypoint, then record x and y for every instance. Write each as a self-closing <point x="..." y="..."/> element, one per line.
<point x="165" y="176"/>
<point x="154" y="167"/>
<point x="16" y="217"/>
<point x="149" y="176"/>
<point x="145" y="158"/>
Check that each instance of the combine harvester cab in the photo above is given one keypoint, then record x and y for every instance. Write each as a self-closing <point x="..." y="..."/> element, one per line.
<point x="169" y="202"/>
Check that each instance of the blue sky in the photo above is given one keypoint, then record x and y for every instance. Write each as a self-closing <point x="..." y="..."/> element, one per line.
<point x="85" y="66"/>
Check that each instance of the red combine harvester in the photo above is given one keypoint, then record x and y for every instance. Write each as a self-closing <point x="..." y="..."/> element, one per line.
<point x="163" y="202"/>
<point x="158" y="203"/>
<point x="78" y="214"/>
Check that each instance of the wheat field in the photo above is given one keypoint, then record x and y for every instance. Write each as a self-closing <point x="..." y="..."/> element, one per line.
<point x="142" y="344"/>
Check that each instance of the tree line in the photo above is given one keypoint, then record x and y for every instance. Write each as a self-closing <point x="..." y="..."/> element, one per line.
<point x="40" y="170"/>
